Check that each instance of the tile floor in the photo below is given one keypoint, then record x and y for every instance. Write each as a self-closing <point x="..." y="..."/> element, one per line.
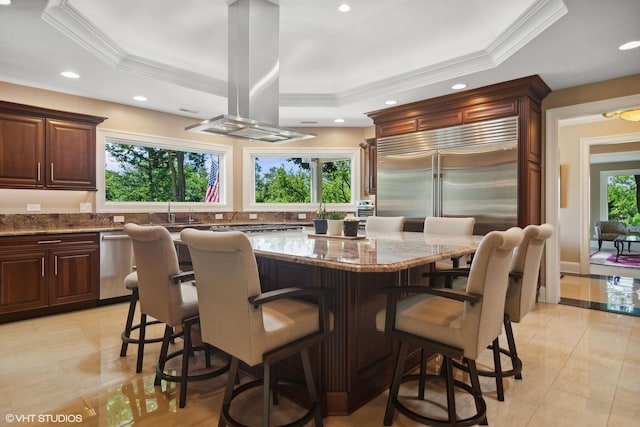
<point x="581" y="368"/>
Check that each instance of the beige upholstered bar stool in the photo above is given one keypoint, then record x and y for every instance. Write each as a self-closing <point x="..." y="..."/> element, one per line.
<point x="377" y="224"/>
<point x="252" y="326"/>
<point x="131" y="283"/>
<point x="456" y="324"/>
<point x="449" y="226"/>
<point x="521" y="298"/>
<point x="168" y="295"/>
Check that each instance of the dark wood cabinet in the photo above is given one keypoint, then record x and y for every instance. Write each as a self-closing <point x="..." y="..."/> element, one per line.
<point x="42" y="274"/>
<point x="520" y="98"/>
<point x="42" y="148"/>
<point x="21" y="150"/>
<point x="369" y="165"/>
<point x="71" y="155"/>
<point x="23" y="284"/>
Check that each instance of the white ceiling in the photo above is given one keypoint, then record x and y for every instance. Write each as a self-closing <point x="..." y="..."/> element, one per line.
<point x="332" y="64"/>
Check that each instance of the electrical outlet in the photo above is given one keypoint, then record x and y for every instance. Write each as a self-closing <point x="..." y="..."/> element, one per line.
<point x="33" y="207"/>
<point x="118" y="218"/>
<point x="253" y="216"/>
<point x="219" y="216"/>
<point x="85" y="207"/>
<point x="302" y="216"/>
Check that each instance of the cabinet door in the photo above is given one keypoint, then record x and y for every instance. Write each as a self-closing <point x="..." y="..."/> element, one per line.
<point x="23" y="281"/>
<point x="70" y="155"/>
<point x="373" y="168"/>
<point x="21" y="151"/>
<point x="74" y="274"/>
<point x="370" y="166"/>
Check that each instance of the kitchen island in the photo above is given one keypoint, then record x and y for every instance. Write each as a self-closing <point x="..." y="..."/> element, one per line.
<point x="355" y="363"/>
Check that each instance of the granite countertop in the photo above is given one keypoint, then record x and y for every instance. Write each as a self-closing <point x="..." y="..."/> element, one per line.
<point x="380" y="252"/>
<point x="60" y="230"/>
<point x="114" y="227"/>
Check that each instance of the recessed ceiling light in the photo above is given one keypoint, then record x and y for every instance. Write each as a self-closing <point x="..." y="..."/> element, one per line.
<point x="629" y="45"/>
<point x="70" y="75"/>
<point x="140" y="98"/>
<point x="459" y="86"/>
<point x="391" y="102"/>
<point x="344" y="7"/>
<point x="5" y="2"/>
<point x="339" y="120"/>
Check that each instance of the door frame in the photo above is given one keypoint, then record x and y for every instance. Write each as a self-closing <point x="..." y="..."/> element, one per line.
<point x="550" y="292"/>
<point x="585" y="200"/>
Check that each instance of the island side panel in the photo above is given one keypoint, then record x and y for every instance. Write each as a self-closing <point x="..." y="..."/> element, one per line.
<point x="355" y="364"/>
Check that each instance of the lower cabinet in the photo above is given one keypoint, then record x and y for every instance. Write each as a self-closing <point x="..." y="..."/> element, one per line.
<point x="42" y="274"/>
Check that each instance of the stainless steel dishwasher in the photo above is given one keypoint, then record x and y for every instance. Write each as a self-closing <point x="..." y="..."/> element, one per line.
<point x="116" y="261"/>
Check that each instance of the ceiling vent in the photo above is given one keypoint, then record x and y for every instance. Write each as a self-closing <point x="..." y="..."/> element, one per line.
<point x="253" y="86"/>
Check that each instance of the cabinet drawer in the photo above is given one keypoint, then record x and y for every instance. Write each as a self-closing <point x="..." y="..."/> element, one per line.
<point x="45" y="241"/>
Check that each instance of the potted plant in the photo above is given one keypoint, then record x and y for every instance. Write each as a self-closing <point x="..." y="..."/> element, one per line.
<point x="334" y="224"/>
<point x="320" y="221"/>
<point x="350" y="226"/>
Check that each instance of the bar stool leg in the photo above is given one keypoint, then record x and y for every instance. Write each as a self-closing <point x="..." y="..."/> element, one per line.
<point x="141" y="341"/>
<point x="126" y="334"/>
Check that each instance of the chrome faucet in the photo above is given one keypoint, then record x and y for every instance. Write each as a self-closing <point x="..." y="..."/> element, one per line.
<point x="171" y="218"/>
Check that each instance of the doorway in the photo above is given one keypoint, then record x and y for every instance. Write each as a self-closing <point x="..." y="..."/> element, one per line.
<point x="550" y="292"/>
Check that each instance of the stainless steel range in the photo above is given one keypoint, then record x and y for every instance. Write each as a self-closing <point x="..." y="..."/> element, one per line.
<point x="252" y="228"/>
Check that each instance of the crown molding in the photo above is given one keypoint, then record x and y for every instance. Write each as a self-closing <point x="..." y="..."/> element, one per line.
<point x="61" y="15"/>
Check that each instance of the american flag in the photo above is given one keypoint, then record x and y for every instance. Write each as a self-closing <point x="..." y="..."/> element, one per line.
<point x="213" y="193"/>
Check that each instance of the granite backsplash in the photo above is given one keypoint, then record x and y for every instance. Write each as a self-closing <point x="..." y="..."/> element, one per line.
<point x="15" y="222"/>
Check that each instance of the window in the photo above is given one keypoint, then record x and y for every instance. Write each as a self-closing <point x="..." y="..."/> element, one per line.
<point x="145" y="173"/>
<point x="300" y="178"/>
<point x="619" y="192"/>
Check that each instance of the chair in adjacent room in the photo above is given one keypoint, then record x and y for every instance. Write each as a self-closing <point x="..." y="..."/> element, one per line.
<point x="131" y="283"/>
<point x="456" y="324"/>
<point x="170" y="296"/>
<point x="252" y="326"/>
<point x="378" y="224"/>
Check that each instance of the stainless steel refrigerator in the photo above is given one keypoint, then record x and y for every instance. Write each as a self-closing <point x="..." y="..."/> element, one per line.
<point x="468" y="170"/>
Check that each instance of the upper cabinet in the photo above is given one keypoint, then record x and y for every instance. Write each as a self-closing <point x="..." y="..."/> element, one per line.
<point x="41" y="148"/>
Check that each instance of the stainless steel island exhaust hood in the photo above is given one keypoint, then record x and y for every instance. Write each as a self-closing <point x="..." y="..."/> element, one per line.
<point x="253" y="77"/>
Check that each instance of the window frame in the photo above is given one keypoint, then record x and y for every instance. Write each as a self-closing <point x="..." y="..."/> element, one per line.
<point x="248" y="177"/>
<point x="225" y="162"/>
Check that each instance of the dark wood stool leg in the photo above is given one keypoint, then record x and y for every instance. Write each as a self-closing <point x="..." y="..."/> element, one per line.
<point x="266" y="395"/>
<point x="127" y="327"/>
<point x="512" y="345"/>
<point x="228" y="392"/>
<point x="186" y="352"/>
<point x="498" y="369"/>
<point x="395" y="384"/>
<point x="423" y="372"/>
<point x="168" y="332"/>
<point x="143" y="332"/>
<point x="311" y="387"/>
<point x="475" y="385"/>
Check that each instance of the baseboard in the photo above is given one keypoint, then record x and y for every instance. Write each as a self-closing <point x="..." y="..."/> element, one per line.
<point x="570" y="267"/>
